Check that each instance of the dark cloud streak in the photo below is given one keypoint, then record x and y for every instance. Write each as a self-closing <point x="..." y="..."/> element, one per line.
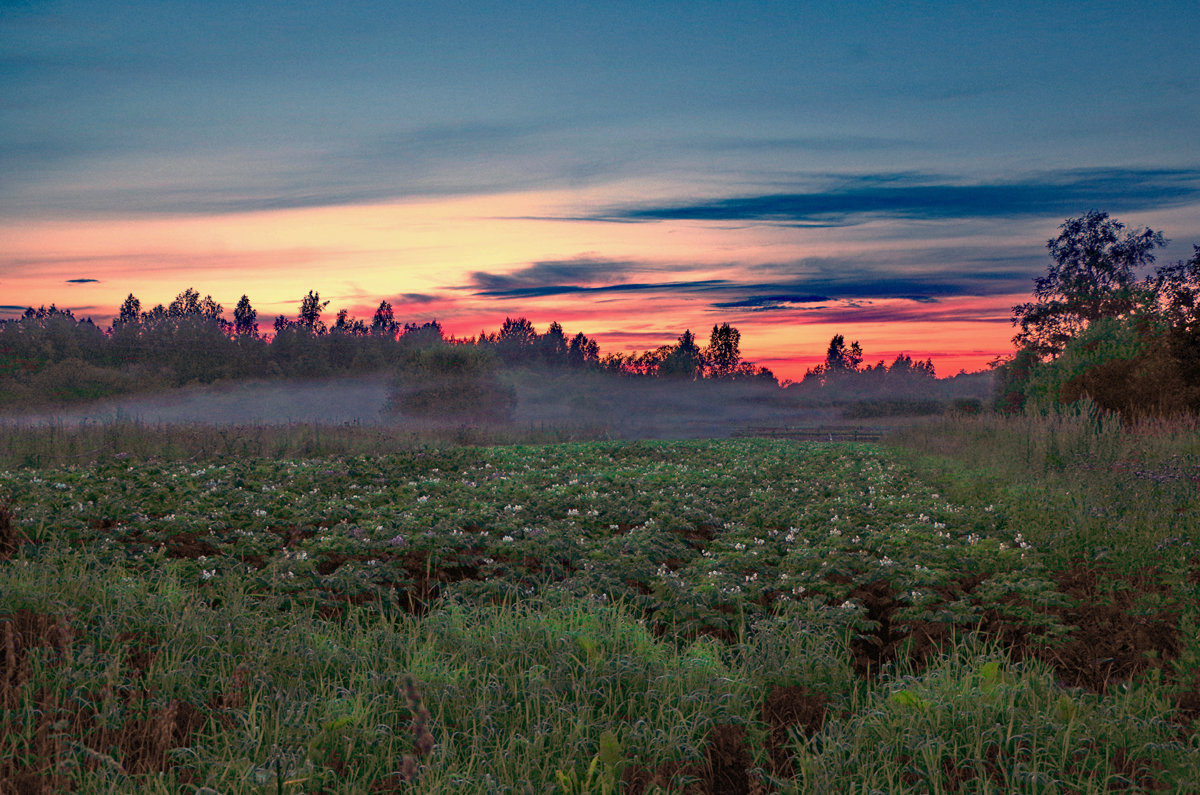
<point x="912" y="197"/>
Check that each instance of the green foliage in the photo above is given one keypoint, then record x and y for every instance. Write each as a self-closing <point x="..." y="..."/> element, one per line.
<point x="1104" y="341"/>
<point x="1092" y="277"/>
<point x="1097" y="332"/>
<point x="581" y="612"/>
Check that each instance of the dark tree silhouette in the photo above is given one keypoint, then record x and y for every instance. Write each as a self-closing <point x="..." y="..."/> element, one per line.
<point x="840" y="359"/>
<point x="311" y="307"/>
<point x="245" y="318"/>
<point x="583" y="351"/>
<point x="723" y="354"/>
<point x="129" y="314"/>
<point x="552" y="346"/>
<point x="384" y="323"/>
<point x="685" y="361"/>
<point x="1093" y="276"/>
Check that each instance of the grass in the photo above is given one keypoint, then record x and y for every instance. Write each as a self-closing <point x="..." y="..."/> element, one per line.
<point x="1081" y="484"/>
<point x="197" y="613"/>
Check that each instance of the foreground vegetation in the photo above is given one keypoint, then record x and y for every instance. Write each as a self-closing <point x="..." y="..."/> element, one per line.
<point x="989" y="605"/>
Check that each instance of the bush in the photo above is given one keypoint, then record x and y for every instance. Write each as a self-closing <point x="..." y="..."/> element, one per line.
<point x="966" y="405"/>
<point x="452" y="382"/>
<point x="863" y="409"/>
<point x="1124" y="365"/>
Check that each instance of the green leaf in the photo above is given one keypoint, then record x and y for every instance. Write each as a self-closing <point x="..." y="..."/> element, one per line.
<point x="610" y="749"/>
<point x="907" y="698"/>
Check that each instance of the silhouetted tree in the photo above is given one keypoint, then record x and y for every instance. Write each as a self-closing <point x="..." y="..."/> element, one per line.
<point x="311" y="307"/>
<point x="245" y="318"/>
<point x="723" y="354"/>
<point x="349" y="326"/>
<point x="129" y="313"/>
<point x="552" y="346"/>
<point x="425" y="335"/>
<point x="384" y="323"/>
<point x="583" y="351"/>
<point x="1092" y="276"/>
<point x="515" y="343"/>
<point x="840" y="359"/>
<point x="685" y="361"/>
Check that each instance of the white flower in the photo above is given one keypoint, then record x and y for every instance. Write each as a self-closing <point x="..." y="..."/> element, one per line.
<point x="507" y="538"/>
<point x="423" y="498"/>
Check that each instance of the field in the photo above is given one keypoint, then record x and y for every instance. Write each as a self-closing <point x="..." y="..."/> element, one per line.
<point x="978" y="605"/>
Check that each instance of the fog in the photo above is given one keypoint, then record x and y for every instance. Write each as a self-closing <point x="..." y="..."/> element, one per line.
<point x="357" y="400"/>
<point x="586" y="404"/>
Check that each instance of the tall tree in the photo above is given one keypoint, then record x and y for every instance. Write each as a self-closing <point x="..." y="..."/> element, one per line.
<point x="515" y="343"/>
<point x="685" y="361"/>
<point x="245" y="318"/>
<point x="723" y="352"/>
<point x="384" y="323"/>
<point x="130" y="313"/>
<point x="842" y="359"/>
<point x="583" y="351"/>
<point x="1092" y="276"/>
<point x="311" y="307"/>
<point x="553" y="345"/>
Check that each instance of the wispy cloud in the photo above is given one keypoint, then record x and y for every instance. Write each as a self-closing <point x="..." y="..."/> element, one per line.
<point x="82" y="281"/>
<point x="851" y="200"/>
<point x="583" y="271"/>
<point x="626" y="287"/>
<point x="767" y="302"/>
<point x="923" y="275"/>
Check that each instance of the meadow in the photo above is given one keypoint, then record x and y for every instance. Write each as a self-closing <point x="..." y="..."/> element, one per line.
<point x="978" y="604"/>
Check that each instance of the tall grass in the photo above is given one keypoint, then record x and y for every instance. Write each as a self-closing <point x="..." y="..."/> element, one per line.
<point x="1075" y="481"/>
<point x="56" y="443"/>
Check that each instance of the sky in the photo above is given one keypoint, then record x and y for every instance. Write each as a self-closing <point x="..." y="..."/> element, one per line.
<point x="886" y="171"/>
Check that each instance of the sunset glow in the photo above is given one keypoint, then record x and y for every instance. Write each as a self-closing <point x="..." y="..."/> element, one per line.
<point x="622" y="176"/>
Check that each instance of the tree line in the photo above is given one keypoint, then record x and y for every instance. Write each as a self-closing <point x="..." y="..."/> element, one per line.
<point x="49" y="351"/>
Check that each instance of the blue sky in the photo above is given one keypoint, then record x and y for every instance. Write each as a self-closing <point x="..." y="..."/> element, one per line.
<point x="849" y="137"/>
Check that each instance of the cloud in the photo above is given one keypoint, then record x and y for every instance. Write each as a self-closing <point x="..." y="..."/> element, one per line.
<point x="767" y="302"/>
<point x="905" y="312"/>
<point x="12" y="308"/>
<point x="360" y="167"/>
<point x="919" y="276"/>
<point x="83" y="281"/>
<point x="627" y="287"/>
<point x="546" y="273"/>
<point x="419" y="298"/>
<point x="854" y="200"/>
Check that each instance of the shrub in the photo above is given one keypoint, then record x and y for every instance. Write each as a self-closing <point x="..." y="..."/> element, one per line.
<point x="452" y="382"/>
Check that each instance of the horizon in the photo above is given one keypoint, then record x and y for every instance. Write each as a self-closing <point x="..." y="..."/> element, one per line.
<point x="887" y="174"/>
